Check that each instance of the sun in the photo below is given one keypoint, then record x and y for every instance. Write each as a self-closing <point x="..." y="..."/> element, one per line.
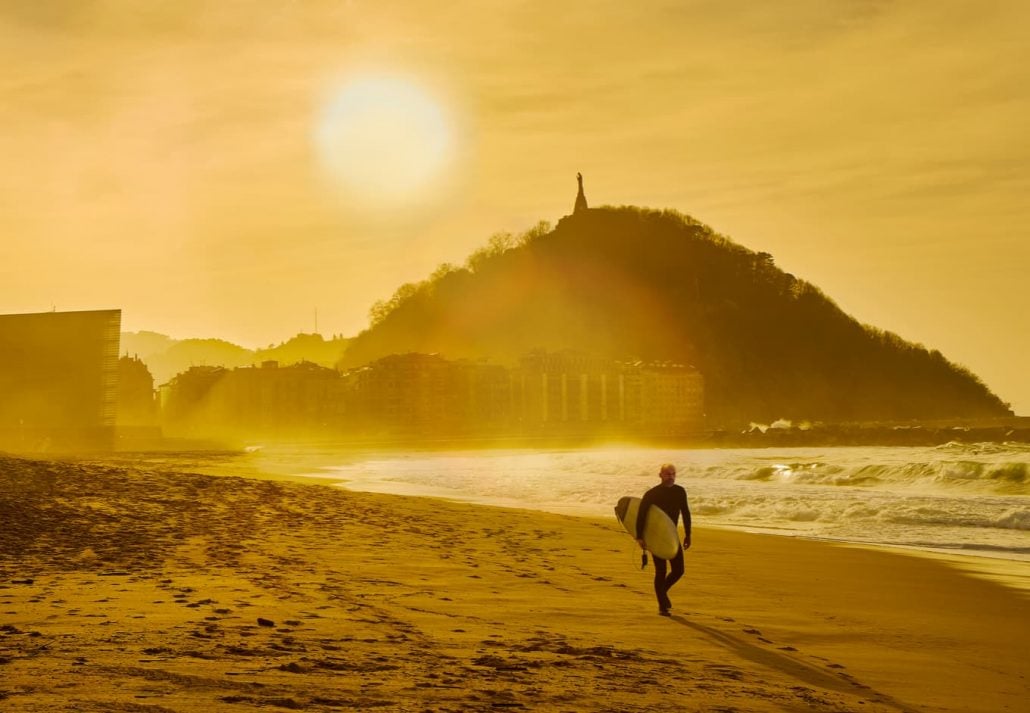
<point x="384" y="141"/>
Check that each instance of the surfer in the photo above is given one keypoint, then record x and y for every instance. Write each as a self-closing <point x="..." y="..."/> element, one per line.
<point x="672" y="499"/>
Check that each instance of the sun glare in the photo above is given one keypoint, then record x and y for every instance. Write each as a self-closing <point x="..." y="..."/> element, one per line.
<point x="384" y="141"/>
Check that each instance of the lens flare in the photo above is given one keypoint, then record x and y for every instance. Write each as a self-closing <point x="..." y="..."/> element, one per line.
<point x="384" y="141"/>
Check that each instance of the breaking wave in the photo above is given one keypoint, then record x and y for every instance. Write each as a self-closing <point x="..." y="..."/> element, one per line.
<point x="976" y="495"/>
<point x="1010" y="476"/>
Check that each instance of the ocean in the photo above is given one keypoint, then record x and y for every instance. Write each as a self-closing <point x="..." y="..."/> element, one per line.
<point x="954" y="498"/>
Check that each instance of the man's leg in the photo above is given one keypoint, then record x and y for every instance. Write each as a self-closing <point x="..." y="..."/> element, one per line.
<point x="660" y="586"/>
<point x="675" y="572"/>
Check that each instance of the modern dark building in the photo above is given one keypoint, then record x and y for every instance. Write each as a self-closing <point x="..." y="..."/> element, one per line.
<point x="59" y="380"/>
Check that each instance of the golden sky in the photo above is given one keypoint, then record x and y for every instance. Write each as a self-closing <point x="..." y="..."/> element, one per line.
<point x="206" y="166"/>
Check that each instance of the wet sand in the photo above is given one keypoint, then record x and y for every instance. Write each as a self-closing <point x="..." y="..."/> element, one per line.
<point x="131" y="589"/>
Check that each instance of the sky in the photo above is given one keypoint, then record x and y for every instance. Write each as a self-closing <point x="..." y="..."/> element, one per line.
<point x="249" y="170"/>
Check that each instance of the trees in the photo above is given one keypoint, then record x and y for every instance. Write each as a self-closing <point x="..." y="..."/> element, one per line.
<point x="628" y="283"/>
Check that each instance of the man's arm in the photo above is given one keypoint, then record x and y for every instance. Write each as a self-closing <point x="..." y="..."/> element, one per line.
<point x="685" y="509"/>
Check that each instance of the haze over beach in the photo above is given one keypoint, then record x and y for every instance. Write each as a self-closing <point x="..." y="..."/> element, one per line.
<point x="207" y="167"/>
<point x="334" y="333"/>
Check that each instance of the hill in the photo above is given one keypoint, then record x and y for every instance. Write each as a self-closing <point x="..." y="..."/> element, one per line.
<point x="312" y="348"/>
<point x="166" y="357"/>
<point x="628" y="283"/>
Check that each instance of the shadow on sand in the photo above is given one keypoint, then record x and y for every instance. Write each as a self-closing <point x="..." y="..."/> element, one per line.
<point x="807" y="673"/>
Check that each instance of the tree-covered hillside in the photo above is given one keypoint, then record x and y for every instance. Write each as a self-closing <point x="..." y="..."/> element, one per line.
<point x="636" y="284"/>
<point x="166" y="357"/>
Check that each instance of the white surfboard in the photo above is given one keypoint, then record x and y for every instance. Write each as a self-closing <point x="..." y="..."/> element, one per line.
<point x="660" y="534"/>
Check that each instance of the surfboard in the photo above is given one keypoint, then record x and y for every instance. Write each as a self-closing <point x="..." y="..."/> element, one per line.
<point x="660" y="534"/>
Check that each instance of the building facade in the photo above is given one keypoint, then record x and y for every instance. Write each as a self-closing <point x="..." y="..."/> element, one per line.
<point x="425" y="396"/>
<point x="575" y="393"/>
<point x="425" y="393"/>
<point x="137" y="402"/>
<point x="267" y="401"/>
<point x="59" y="380"/>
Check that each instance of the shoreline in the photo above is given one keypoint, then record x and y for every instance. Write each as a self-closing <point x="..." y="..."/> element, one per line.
<point x="136" y="589"/>
<point x="1011" y="570"/>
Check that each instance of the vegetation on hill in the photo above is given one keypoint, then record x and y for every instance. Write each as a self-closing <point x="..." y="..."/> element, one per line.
<point x="628" y="283"/>
<point x="166" y="357"/>
<point x="178" y="355"/>
<point x="312" y="348"/>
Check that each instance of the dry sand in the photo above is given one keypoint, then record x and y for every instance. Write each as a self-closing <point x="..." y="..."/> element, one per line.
<point x="124" y="589"/>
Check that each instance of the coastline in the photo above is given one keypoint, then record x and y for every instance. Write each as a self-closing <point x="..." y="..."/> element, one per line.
<point x="132" y="589"/>
<point x="1010" y="571"/>
<point x="316" y="466"/>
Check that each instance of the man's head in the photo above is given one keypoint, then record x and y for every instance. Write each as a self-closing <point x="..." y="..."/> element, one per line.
<point x="668" y="474"/>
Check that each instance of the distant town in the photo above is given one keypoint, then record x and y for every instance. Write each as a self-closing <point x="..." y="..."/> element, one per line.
<point x="64" y="388"/>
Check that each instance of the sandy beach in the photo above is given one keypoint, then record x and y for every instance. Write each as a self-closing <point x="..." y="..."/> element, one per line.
<point x="131" y="589"/>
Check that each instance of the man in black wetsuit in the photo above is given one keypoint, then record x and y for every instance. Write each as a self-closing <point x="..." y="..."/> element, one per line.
<point x="672" y="499"/>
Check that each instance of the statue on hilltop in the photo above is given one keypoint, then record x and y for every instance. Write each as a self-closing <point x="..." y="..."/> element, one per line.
<point x="581" y="199"/>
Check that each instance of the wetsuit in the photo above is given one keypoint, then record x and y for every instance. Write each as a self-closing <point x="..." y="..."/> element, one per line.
<point x="673" y="500"/>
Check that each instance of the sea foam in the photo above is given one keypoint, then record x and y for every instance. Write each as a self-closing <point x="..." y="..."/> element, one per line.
<point x="954" y="496"/>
